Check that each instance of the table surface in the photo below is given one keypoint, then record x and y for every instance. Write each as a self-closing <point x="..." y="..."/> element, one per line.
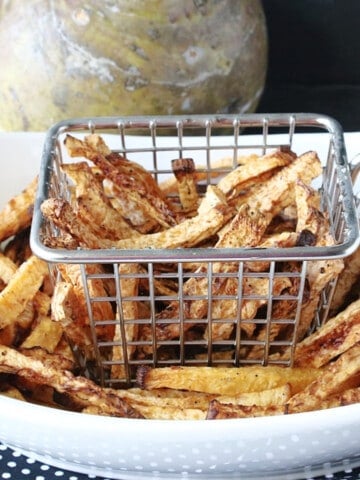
<point x="15" y="465"/>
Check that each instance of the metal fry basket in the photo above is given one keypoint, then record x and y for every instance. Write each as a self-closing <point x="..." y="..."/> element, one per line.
<point x="143" y="335"/>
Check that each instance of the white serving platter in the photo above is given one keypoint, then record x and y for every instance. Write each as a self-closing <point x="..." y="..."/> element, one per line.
<point x="289" y="447"/>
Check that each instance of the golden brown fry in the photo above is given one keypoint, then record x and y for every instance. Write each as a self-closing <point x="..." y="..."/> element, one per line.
<point x="245" y="175"/>
<point x="165" y="397"/>
<point x="126" y="329"/>
<point x="153" y="412"/>
<point x="42" y="303"/>
<point x="17" y="213"/>
<point x="308" y="208"/>
<point x="45" y="334"/>
<point x="61" y="213"/>
<point x="82" y="390"/>
<point x="49" y="359"/>
<point x="213" y="213"/>
<point x="273" y="195"/>
<point x="342" y="374"/>
<point x="12" y="392"/>
<point x="189" y="233"/>
<point x="346" y="282"/>
<point x="101" y="308"/>
<point x="72" y="316"/>
<point x="135" y="187"/>
<point x="332" y="339"/>
<point x="218" y="410"/>
<point x="65" y="241"/>
<point x="319" y="274"/>
<point x="25" y="319"/>
<point x="224" y="380"/>
<point x="190" y="405"/>
<point x="217" y="169"/>
<point x="7" y="268"/>
<point x="93" y="205"/>
<point x="277" y="240"/>
<point x="21" y="289"/>
<point x="18" y="248"/>
<point x="265" y="398"/>
<point x="185" y="174"/>
<point x="347" y="397"/>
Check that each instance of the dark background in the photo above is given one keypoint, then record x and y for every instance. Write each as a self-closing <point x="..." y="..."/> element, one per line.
<point x="314" y="59"/>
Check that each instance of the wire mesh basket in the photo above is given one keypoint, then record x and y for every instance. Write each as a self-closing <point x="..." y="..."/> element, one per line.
<point x="200" y="304"/>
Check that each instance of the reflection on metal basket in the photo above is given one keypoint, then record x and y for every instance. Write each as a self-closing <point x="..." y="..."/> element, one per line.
<point x="208" y="303"/>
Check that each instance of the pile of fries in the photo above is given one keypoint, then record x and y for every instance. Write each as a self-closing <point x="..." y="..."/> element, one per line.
<point x="267" y="201"/>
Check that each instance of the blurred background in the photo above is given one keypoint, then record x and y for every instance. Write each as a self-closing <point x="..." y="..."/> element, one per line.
<point x="314" y="58"/>
<point x="74" y="58"/>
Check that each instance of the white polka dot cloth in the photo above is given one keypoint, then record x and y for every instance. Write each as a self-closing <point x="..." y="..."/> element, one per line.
<point x="16" y="466"/>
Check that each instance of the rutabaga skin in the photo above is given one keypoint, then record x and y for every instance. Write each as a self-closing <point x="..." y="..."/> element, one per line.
<point x="129" y="57"/>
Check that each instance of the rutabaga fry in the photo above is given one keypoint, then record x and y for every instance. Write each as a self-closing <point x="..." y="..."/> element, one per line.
<point x="21" y="288"/>
<point x="126" y="329"/>
<point x="184" y="171"/>
<point x="224" y="380"/>
<point x="335" y="337"/>
<point x="93" y="205"/>
<point x="246" y="175"/>
<point x="17" y="213"/>
<point x="335" y="378"/>
<point x="189" y="233"/>
<point x="134" y="185"/>
<point x="83" y="391"/>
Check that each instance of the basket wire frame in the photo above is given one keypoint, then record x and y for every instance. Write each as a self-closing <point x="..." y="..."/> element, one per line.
<point x="206" y="137"/>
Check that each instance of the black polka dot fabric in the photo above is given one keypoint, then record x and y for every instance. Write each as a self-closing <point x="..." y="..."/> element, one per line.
<point x="16" y="466"/>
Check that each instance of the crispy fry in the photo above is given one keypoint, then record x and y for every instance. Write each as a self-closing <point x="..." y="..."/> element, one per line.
<point x="126" y="329"/>
<point x="335" y="337"/>
<point x="134" y="186"/>
<point x="49" y="359"/>
<point x="186" y="234"/>
<point x="102" y="311"/>
<point x="22" y="287"/>
<point x="308" y="208"/>
<point x="244" y="176"/>
<point x="346" y="282"/>
<point x="337" y="377"/>
<point x="12" y="392"/>
<point x="93" y="205"/>
<point x="184" y="171"/>
<point x="71" y="315"/>
<point x="217" y="169"/>
<point x="61" y="213"/>
<point x="7" y="268"/>
<point x="18" y="248"/>
<point x="272" y="196"/>
<point x="42" y="303"/>
<point x="17" y="213"/>
<point x="153" y="412"/>
<point x="82" y="390"/>
<point x="218" y="410"/>
<point x="320" y="273"/>
<point x="225" y="381"/>
<point x="45" y="334"/>
<point x="277" y="240"/>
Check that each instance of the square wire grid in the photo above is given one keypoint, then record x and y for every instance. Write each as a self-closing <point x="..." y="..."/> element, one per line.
<point x="166" y="330"/>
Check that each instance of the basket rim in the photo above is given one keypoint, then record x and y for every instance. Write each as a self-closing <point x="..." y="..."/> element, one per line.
<point x="290" y="120"/>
